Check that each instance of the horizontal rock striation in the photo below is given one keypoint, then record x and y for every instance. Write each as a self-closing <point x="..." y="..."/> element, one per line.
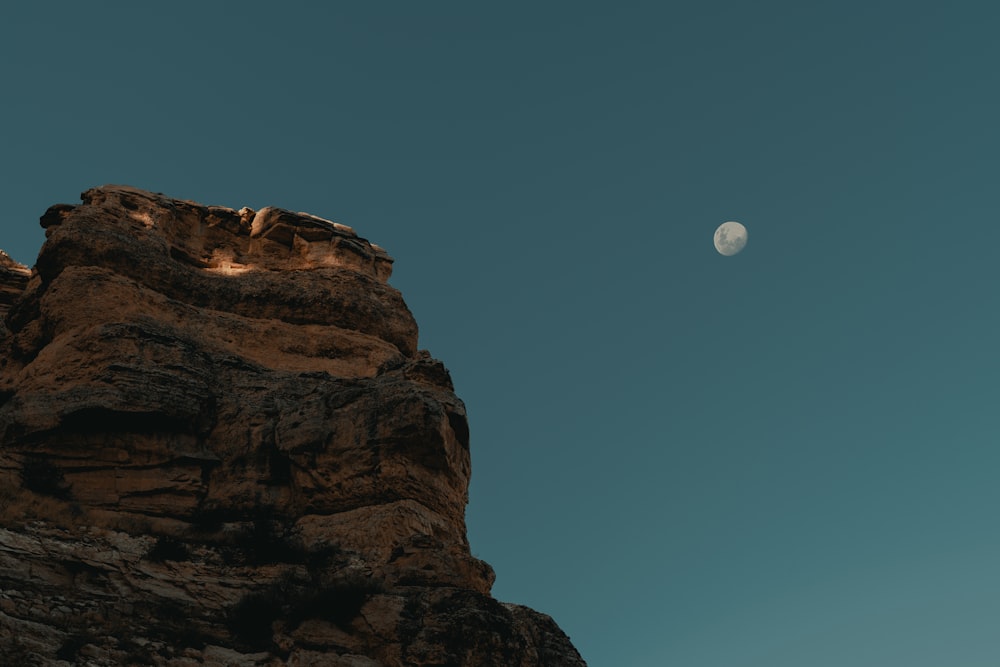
<point x="220" y="445"/>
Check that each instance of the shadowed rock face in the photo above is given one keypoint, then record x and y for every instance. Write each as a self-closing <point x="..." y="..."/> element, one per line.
<point x="220" y="445"/>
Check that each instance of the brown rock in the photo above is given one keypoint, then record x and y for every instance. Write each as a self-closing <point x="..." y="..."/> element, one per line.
<point x="13" y="279"/>
<point x="219" y="445"/>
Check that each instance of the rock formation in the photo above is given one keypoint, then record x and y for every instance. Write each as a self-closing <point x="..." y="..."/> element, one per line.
<point x="220" y="445"/>
<point x="13" y="280"/>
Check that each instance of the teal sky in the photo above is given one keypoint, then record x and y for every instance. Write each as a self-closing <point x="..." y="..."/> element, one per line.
<point x="782" y="458"/>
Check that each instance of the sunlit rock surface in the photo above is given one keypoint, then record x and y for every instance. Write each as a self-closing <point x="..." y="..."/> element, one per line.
<point x="219" y="445"/>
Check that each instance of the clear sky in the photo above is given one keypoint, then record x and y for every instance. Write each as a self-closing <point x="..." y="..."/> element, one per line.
<point x="782" y="458"/>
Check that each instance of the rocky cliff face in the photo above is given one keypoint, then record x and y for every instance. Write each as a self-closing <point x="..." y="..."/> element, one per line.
<point x="220" y="445"/>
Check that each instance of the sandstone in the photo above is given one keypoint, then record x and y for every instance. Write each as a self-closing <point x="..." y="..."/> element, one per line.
<point x="220" y="445"/>
<point x="13" y="280"/>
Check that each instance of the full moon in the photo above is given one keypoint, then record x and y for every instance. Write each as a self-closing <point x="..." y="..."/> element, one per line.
<point x="730" y="238"/>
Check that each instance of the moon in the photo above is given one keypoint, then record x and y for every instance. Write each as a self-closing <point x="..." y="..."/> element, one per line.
<point x="730" y="238"/>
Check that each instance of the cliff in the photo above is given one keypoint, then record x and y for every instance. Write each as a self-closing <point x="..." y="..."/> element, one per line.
<point x="220" y="445"/>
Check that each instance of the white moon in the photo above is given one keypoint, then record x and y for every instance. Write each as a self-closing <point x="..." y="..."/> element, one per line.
<point x="730" y="238"/>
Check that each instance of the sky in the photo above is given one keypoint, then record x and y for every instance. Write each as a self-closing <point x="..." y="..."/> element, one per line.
<point x="781" y="458"/>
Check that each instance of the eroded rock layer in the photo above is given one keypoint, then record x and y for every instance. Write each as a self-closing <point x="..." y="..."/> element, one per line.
<point x="219" y="445"/>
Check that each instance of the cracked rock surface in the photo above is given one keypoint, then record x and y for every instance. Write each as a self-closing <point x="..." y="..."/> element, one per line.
<point x="220" y="445"/>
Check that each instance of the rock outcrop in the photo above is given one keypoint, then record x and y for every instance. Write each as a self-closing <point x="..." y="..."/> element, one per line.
<point x="13" y="279"/>
<point x="220" y="445"/>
